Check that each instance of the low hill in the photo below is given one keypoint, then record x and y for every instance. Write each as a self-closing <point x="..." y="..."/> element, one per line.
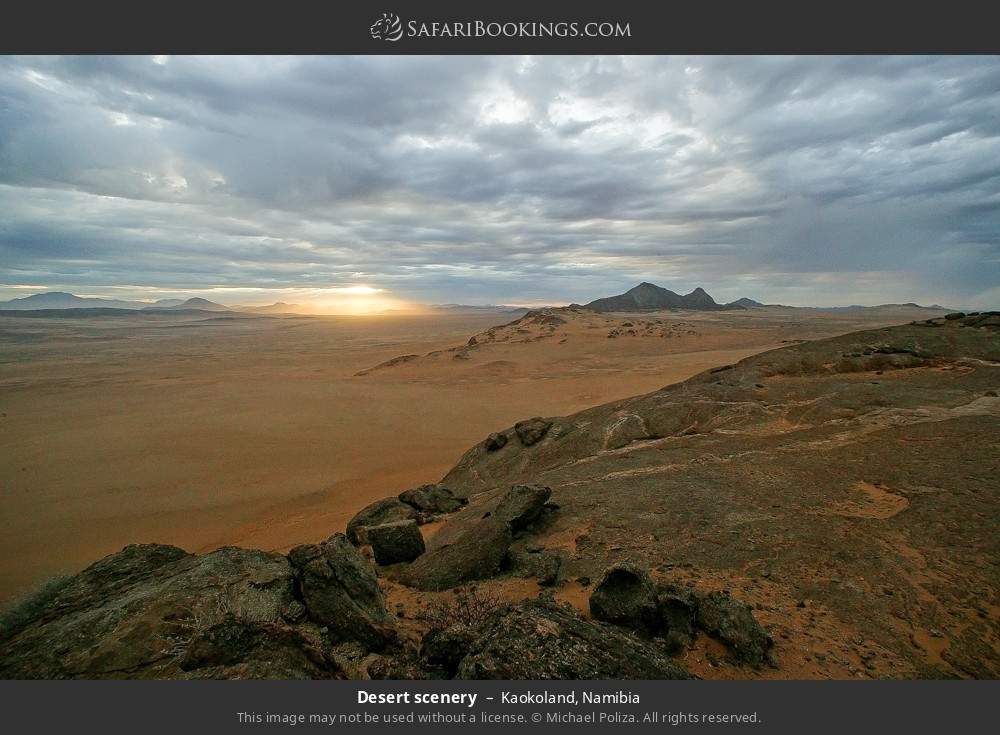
<point x="279" y="307"/>
<point x="195" y="303"/>
<point x="746" y="303"/>
<point x="63" y="300"/>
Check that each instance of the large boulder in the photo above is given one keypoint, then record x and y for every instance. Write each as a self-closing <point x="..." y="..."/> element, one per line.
<point x="544" y="566"/>
<point x="239" y="649"/>
<point x="626" y="596"/>
<point x="432" y="499"/>
<point x="341" y="592"/>
<point x="444" y="648"/>
<point x="531" y="431"/>
<point x="136" y="613"/>
<point x="677" y="606"/>
<point x="475" y="554"/>
<point x="382" y="511"/>
<point x="543" y="640"/>
<point x="732" y="622"/>
<point x="522" y="506"/>
<point x="396" y="542"/>
<point x="495" y="441"/>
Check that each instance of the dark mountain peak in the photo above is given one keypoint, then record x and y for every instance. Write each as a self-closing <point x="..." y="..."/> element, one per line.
<point x="650" y="297"/>
<point x="745" y="303"/>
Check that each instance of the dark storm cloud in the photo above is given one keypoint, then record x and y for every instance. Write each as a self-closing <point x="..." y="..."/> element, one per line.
<point x="504" y="179"/>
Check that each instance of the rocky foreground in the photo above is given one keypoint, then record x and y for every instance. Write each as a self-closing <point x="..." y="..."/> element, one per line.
<point x="829" y="509"/>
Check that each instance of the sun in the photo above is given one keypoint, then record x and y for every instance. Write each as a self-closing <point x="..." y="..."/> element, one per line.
<point x="356" y="300"/>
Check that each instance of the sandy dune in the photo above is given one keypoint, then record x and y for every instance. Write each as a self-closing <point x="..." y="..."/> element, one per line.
<point x="204" y="432"/>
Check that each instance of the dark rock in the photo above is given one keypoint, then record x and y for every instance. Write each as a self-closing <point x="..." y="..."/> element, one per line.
<point x="522" y="506"/>
<point x="382" y="511"/>
<point x="220" y="645"/>
<point x="136" y="612"/>
<point x="954" y="315"/>
<point x="341" y="592"/>
<point x="475" y="554"/>
<point x="543" y="566"/>
<point x="234" y="649"/>
<point x="446" y="647"/>
<point x="432" y="499"/>
<point x="732" y="622"/>
<point x="531" y="431"/>
<point x="625" y="596"/>
<point x="396" y="542"/>
<point x="539" y="639"/>
<point x="495" y="441"/>
<point x="677" y="607"/>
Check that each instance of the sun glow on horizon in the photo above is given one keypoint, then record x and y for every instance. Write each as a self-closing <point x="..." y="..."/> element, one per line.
<point x="357" y="300"/>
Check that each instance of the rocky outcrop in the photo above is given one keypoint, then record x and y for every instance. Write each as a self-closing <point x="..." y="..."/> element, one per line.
<point x="544" y="566"/>
<point x="396" y="542"/>
<point x="522" y="506"/>
<point x="733" y="623"/>
<point x="382" y="511"/>
<point x="495" y="441"/>
<point x="477" y="547"/>
<point x="239" y="649"/>
<point x="544" y="640"/>
<point x="531" y="431"/>
<point x="676" y="607"/>
<point x="341" y="591"/>
<point x="625" y="596"/>
<point x="475" y="554"/>
<point x="444" y="648"/>
<point x="136" y="613"/>
<point x="432" y="499"/>
<point x="421" y="504"/>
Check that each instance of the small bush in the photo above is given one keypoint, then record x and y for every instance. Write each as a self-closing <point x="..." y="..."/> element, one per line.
<point x="250" y="605"/>
<point x="16" y="616"/>
<point x="470" y="607"/>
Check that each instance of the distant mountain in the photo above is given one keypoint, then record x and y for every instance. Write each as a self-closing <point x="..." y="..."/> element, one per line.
<point x="195" y="303"/>
<point x="746" y="303"/>
<point x="650" y="297"/>
<point x="63" y="300"/>
<point x="481" y="307"/>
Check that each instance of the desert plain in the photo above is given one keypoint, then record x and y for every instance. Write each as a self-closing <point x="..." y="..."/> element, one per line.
<point x="210" y="430"/>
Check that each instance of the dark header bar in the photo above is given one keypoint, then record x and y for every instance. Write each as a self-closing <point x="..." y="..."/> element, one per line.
<point x="450" y="27"/>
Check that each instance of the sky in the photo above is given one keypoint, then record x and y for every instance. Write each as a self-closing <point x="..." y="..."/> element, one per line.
<point x="810" y="181"/>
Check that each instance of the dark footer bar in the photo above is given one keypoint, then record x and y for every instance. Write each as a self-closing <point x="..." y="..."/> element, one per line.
<point x="259" y="707"/>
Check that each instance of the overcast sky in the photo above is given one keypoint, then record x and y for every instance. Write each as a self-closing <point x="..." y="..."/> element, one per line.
<point x="813" y="181"/>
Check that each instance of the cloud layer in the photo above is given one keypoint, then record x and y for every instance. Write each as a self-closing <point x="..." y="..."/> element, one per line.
<point x="503" y="179"/>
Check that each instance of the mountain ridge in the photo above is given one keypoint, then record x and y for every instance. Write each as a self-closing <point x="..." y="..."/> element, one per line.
<point x="650" y="297"/>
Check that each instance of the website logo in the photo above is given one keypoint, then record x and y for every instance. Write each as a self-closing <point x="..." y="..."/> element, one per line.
<point x="387" y="28"/>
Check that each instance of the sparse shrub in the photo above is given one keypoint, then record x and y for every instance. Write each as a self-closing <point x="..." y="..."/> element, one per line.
<point x="249" y="605"/>
<point x="23" y="610"/>
<point x="470" y="607"/>
<point x="245" y="604"/>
